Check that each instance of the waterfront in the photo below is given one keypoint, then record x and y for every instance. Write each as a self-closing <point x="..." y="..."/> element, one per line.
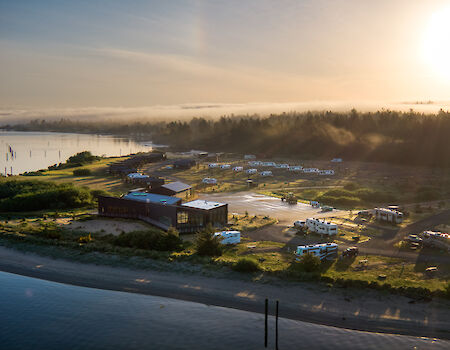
<point x="30" y="151"/>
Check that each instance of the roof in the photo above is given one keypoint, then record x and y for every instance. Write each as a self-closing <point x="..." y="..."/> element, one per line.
<point x="151" y="197"/>
<point x="202" y="204"/>
<point x="177" y="186"/>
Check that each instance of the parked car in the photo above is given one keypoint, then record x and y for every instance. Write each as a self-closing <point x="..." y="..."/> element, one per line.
<point x="414" y="239"/>
<point x="350" y="252"/>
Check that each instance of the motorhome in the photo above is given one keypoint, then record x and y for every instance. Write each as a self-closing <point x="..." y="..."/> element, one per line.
<point x="267" y="164"/>
<point x="225" y="166"/>
<point x="252" y="171"/>
<point x="255" y="163"/>
<point x="295" y="168"/>
<point x="436" y="239"/>
<point x="310" y="170"/>
<point x="209" y="181"/>
<point x="249" y="156"/>
<point x="321" y="226"/>
<point x="229" y="237"/>
<point x="323" y="250"/>
<point x="337" y="160"/>
<point x="238" y="168"/>
<point x="326" y="172"/>
<point x="266" y="173"/>
<point x="213" y="165"/>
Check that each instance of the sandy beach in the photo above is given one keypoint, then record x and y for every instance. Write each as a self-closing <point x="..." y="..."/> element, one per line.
<point x="366" y="310"/>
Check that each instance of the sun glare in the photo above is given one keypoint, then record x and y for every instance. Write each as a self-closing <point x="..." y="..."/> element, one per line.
<point x="437" y="43"/>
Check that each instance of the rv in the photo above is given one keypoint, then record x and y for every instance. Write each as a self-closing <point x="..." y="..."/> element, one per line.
<point x="229" y="237"/>
<point x="238" y="168"/>
<point x="388" y="215"/>
<point x="326" y="172"/>
<point x="272" y="164"/>
<point x="436" y="239"/>
<point x="209" y="181"/>
<point x="321" y="226"/>
<point x="249" y="156"/>
<point x="252" y="171"/>
<point x="213" y="165"/>
<point x="225" y="166"/>
<point x="266" y="173"/>
<point x="323" y="250"/>
<point x="255" y="163"/>
<point x="296" y="168"/>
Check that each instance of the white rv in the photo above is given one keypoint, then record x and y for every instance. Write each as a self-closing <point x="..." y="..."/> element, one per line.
<point x="389" y="215"/>
<point x="225" y="166"/>
<point x="255" y="163"/>
<point x="337" y="160"/>
<point x="295" y="168"/>
<point x="326" y="172"/>
<point x="238" y="168"/>
<point x="323" y="250"/>
<point x="252" y="171"/>
<point x="213" y="165"/>
<point x="321" y="226"/>
<point x="229" y="237"/>
<point x="272" y="164"/>
<point x="310" y="170"/>
<point x="249" y="156"/>
<point x="209" y="181"/>
<point x="266" y="173"/>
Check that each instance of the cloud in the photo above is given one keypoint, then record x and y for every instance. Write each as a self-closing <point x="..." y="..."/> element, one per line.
<point x="208" y="110"/>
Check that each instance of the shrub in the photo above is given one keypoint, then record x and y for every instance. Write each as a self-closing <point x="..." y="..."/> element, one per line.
<point x="246" y="265"/>
<point x="81" y="172"/>
<point x="207" y="243"/>
<point x="150" y="240"/>
<point x="309" y="263"/>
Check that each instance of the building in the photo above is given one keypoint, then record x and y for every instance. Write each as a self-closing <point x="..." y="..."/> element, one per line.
<point x="165" y="211"/>
<point x="176" y="188"/>
<point x="388" y="215"/>
<point x="184" y="163"/>
<point x="130" y="165"/>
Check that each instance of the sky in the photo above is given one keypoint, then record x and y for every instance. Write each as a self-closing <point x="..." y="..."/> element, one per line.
<point x="131" y="54"/>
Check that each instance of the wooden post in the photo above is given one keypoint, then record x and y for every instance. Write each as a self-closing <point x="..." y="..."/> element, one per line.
<point x="266" y="323"/>
<point x="276" y="326"/>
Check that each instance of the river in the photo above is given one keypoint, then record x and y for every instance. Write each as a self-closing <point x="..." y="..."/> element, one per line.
<point x="37" y="314"/>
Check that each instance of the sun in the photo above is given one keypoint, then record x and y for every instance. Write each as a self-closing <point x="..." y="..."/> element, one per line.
<point x="437" y="43"/>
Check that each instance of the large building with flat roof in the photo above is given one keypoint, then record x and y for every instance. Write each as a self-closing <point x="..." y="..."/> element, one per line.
<point x="165" y="211"/>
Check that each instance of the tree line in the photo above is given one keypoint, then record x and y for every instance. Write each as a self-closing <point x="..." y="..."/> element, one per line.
<point x="385" y="136"/>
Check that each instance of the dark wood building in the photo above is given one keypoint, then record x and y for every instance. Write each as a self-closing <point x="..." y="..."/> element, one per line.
<point x="177" y="188"/>
<point x="165" y="211"/>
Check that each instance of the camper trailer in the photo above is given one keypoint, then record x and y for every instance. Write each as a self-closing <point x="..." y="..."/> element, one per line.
<point x="252" y="171"/>
<point x="255" y="163"/>
<point x="229" y="237"/>
<point x="295" y="168"/>
<point x="388" y="215"/>
<point x="266" y="173"/>
<point x="337" y="160"/>
<point x="310" y="170"/>
<point x="267" y="164"/>
<point x="213" y="165"/>
<point x="238" y="168"/>
<point x="323" y="250"/>
<point x="321" y="226"/>
<point x="326" y="172"/>
<point x="249" y="156"/>
<point x="225" y="166"/>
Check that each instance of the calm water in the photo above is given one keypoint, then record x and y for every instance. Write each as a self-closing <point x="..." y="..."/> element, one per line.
<point x="28" y="151"/>
<point x="37" y="314"/>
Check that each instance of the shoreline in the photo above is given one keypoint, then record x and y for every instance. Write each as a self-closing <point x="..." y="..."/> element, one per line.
<point x="362" y="310"/>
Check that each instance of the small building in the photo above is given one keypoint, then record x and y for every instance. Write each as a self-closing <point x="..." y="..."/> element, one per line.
<point x="184" y="163"/>
<point x="388" y="215"/>
<point x="269" y="164"/>
<point x="176" y="188"/>
<point x="311" y="170"/>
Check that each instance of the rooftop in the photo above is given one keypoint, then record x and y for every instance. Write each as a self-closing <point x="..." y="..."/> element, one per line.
<point x="202" y="204"/>
<point x="151" y="198"/>
<point x="177" y="186"/>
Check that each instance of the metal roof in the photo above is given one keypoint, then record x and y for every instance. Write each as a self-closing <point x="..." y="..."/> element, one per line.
<point x="151" y="198"/>
<point x="202" y="204"/>
<point x="176" y="186"/>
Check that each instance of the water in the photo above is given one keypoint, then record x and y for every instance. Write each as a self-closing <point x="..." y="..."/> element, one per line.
<point x="29" y="151"/>
<point x="37" y="314"/>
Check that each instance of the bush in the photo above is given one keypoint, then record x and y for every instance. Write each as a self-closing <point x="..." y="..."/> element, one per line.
<point x="150" y="240"/>
<point x="81" y="172"/>
<point x="207" y="243"/>
<point x="349" y="202"/>
<point x="309" y="263"/>
<point x="246" y="265"/>
<point x="37" y="195"/>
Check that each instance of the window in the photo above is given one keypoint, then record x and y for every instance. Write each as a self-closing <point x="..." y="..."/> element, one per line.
<point x="182" y="217"/>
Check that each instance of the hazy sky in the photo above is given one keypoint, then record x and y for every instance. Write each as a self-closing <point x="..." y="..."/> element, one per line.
<point x="108" y="53"/>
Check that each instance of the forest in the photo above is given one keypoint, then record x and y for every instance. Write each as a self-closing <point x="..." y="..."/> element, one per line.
<point x="408" y="138"/>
